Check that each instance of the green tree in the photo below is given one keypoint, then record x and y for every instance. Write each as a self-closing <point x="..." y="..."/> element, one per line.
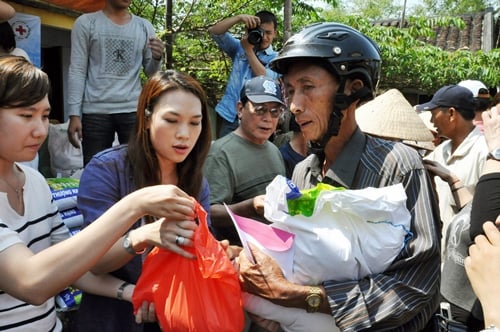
<point x="453" y="7"/>
<point x="374" y="10"/>
<point x="408" y="62"/>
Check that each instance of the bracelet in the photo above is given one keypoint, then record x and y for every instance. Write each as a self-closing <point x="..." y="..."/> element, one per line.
<point x="119" y="292"/>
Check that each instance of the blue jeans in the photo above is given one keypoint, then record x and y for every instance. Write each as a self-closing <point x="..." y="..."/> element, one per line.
<point x="98" y="131"/>
<point x="225" y="127"/>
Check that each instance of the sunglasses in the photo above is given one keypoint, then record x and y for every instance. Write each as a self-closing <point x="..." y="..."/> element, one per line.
<point x="261" y="110"/>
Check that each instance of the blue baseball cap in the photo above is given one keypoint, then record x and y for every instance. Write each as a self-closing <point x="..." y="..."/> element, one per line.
<point x="455" y="96"/>
<point x="261" y="89"/>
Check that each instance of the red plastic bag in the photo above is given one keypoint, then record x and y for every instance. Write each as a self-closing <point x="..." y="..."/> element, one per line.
<point x="201" y="294"/>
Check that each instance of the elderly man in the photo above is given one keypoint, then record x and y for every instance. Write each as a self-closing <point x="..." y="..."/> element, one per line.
<point x="328" y="69"/>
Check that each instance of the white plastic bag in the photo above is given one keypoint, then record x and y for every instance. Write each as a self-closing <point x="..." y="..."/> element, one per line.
<point x="65" y="159"/>
<point x="351" y="234"/>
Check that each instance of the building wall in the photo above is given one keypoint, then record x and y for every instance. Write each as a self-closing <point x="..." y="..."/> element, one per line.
<point x="56" y="45"/>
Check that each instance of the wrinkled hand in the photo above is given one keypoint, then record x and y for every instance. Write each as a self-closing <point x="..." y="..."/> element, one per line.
<point x="232" y="251"/>
<point x="491" y="126"/>
<point x="264" y="278"/>
<point x="146" y="313"/>
<point x="75" y="131"/>
<point x="439" y="170"/>
<point x="157" y="47"/>
<point x="258" y="204"/>
<point x="483" y="266"/>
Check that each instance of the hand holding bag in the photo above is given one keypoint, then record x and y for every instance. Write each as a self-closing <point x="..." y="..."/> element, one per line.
<point x="201" y="294"/>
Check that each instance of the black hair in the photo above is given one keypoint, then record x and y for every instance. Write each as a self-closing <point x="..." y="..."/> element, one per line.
<point x="22" y="83"/>
<point x="7" y="37"/>
<point x="482" y="100"/>
<point x="267" y="17"/>
<point x="467" y="114"/>
<point x="482" y="104"/>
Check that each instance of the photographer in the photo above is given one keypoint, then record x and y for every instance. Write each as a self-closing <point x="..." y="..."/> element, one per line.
<point x="250" y="56"/>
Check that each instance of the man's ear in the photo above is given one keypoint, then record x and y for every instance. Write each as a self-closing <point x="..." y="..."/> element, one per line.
<point x="239" y="109"/>
<point x="353" y="85"/>
<point x="452" y="112"/>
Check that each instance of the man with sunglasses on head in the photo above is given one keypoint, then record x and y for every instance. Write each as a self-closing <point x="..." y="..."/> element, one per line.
<point x="241" y="164"/>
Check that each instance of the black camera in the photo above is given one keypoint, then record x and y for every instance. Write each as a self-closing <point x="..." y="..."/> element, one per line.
<point x="255" y="36"/>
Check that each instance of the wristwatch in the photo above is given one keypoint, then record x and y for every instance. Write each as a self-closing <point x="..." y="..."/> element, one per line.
<point x="495" y="154"/>
<point x="127" y="245"/>
<point x="119" y="292"/>
<point x="314" y="299"/>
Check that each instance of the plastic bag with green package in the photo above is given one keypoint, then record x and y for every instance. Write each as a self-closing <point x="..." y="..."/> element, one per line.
<point x="340" y="234"/>
<point x="304" y="204"/>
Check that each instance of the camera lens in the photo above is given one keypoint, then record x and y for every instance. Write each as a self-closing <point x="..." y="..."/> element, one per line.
<point x="255" y="36"/>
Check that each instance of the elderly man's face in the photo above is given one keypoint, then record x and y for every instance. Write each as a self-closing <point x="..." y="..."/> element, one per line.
<point x="310" y="93"/>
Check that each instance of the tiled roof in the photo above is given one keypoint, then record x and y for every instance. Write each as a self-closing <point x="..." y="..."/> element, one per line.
<point x="472" y="37"/>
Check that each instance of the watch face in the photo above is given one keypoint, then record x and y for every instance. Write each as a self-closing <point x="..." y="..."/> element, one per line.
<point x="314" y="301"/>
<point x="496" y="154"/>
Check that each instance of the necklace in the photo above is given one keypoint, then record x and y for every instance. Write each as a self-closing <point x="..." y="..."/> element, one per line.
<point x="18" y="191"/>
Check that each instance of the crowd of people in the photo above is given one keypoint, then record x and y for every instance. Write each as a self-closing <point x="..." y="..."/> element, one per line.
<point x="142" y="193"/>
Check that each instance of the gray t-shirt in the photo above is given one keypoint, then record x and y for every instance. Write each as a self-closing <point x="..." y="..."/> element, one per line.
<point x="237" y="169"/>
<point x="106" y="61"/>
<point x="455" y="286"/>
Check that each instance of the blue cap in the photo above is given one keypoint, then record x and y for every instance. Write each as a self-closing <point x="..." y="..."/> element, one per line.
<point x="262" y="89"/>
<point x="455" y="96"/>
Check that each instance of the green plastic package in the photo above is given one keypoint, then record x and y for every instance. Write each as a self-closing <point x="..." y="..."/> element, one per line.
<point x="304" y="204"/>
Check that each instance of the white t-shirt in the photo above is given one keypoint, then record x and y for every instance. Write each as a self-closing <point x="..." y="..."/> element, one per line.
<point x="17" y="52"/>
<point x="39" y="228"/>
<point x="466" y="162"/>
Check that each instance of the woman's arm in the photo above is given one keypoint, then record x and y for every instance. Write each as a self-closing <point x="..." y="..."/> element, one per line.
<point x="483" y="270"/>
<point x="486" y="202"/>
<point x="6" y="11"/>
<point x="34" y="278"/>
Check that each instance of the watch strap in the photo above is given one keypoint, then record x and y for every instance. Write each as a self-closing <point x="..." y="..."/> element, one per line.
<point x="127" y="245"/>
<point x="494" y="154"/>
<point x="119" y="292"/>
<point x="314" y="299"/>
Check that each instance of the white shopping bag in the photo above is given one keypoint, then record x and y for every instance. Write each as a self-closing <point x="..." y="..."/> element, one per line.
<point x="351" y="233"/>
<point x="65" y="159"/>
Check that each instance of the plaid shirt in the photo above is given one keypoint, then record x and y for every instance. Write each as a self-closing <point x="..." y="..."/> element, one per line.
<point x="406" y="295"/>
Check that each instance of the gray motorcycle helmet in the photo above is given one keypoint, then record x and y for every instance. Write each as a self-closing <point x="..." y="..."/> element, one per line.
<point x="348" y="51"/>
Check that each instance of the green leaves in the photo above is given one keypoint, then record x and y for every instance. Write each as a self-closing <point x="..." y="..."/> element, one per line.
<point x="408" y="61"/>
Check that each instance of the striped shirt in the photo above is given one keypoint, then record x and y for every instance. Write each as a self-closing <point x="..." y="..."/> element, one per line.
<point x="406" y="295"/>
<point x="39" y="228"/>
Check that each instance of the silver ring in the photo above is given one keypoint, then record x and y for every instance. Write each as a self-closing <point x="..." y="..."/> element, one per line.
<point x="179" y="240"/>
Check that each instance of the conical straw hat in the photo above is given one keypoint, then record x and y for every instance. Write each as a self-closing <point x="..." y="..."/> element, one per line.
<point x="391" y="116"/>
<point x="426" y="117"/>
